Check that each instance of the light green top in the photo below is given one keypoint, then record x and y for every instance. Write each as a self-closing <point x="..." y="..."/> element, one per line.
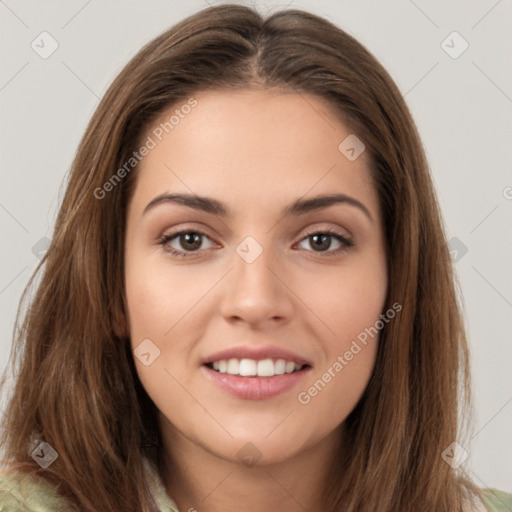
<point x="497" y="501"/>
<point x="20" y="492"/>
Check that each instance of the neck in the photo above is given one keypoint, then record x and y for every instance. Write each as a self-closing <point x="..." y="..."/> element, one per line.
<point x="198" y="480"/>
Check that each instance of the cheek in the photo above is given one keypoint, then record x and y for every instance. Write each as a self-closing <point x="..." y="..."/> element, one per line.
<point x="345" y="300"/>
<point x="168" y="306"/>
<point x="159" y="306"/>
<point x="349" y="303"/>
<point x="158" y="299"/>
<point x="332" y="392"/>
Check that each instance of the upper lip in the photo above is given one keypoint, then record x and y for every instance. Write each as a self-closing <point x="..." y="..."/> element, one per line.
<point x="259" y="353"/>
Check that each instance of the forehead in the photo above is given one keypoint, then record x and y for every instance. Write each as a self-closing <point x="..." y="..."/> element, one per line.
<point x="265" y="147"/>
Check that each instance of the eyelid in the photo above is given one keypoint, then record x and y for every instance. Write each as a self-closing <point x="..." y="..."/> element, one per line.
<point x="188" y="228"/>
<point x="342" y="233"/>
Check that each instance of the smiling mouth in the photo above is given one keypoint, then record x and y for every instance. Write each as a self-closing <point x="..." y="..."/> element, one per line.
<point x="256" y="368"/>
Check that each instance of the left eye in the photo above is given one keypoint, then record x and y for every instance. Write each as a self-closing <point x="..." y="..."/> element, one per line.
<point x="321" y="241"/>
<point x="192" y="241"/>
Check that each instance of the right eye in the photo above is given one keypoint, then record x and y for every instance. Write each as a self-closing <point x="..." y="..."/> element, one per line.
<point x="191" y="241"/>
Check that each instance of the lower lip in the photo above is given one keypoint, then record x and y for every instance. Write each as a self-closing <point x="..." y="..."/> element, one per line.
<point x="255" y="388"/>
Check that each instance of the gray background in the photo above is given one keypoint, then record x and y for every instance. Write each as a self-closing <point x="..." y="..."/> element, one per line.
<point x="462" y="107"/>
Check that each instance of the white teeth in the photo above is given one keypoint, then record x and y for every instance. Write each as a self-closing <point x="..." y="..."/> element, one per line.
<point x="266" y="368"/>
<point x="247" y="367"/>
<point x="289" y="367"/>
<point x="279" y="367"/>
<point x="233" y="367"/>
<point x="253" y="368"/>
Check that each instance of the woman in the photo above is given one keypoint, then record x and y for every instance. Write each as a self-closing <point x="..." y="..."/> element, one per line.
<point x="248" y="301"/>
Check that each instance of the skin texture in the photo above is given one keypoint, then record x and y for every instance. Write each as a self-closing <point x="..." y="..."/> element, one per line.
<point x="257" y="151"/>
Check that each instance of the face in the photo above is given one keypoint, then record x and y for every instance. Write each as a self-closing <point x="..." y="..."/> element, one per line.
<point x="248" y="297"/>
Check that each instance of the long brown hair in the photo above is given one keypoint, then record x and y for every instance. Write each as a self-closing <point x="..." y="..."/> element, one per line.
<point x="76" y="385"/>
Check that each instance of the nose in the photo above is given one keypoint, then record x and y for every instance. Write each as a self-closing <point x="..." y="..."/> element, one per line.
<point x="257" y="292"/>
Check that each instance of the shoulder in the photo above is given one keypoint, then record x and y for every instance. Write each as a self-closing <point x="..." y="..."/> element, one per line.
<point x="497" y="501"/>
<point x="25" y="492"/>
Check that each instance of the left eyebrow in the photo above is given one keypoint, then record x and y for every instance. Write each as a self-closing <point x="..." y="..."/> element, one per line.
<point x="299" y="207"/>
<point x="302" y="206"/>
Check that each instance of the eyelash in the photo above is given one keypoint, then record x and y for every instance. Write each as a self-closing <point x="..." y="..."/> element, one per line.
<point x="345" y="242"/>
